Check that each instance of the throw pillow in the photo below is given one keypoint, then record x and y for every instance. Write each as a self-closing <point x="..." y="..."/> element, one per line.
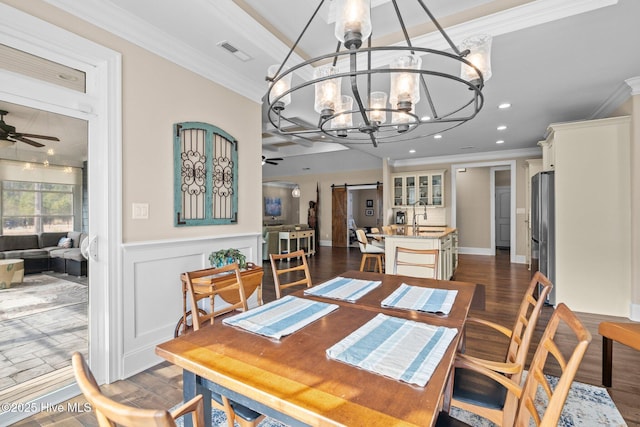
<point x="65" y="242"/>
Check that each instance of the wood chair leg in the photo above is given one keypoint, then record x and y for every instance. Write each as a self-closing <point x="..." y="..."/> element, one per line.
<point x="363" y="262"/>
<point x="607" y="361"/>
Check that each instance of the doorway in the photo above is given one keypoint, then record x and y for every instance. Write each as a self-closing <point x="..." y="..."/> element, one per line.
<point x="355" y="206"/>
<point x="502" y="207"/>
<point x="489" y="246"/>
<point x="45" y="313"/>
<point x="100" y="106"/>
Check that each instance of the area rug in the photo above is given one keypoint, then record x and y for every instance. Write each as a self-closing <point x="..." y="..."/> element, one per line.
<point x="38" y="293"/>
<point x="586" y="405"/>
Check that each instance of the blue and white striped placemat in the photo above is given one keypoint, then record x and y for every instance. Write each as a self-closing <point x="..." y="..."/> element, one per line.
<point x="281" y="317"/>
<point x="421" y="299"/>
<point x="401" y="349"/>
<point x="343" y="288"/>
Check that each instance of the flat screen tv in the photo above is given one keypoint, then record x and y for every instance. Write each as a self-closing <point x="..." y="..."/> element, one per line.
<point x="272" y="206"/>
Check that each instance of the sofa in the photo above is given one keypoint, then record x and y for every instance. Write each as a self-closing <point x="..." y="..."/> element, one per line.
<point x="41" y="252"/>
<point x="270" y="236"/>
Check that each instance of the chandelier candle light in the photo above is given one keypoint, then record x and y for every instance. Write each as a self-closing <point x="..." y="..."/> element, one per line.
<point x="357" y="112"/>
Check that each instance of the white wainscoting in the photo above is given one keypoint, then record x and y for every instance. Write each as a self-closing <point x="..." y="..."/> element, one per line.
<point x="151" y="290"/>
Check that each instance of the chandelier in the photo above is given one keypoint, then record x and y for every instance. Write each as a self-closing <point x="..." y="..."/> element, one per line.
<point x="377" y="94"/>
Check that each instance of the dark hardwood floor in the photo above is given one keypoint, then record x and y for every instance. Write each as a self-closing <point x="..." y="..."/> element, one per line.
<point x="504" y="284"/>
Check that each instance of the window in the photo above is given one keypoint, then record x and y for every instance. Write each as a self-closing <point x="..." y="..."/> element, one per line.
<point x="206" y="175"/>
<point x="36" y="207"/>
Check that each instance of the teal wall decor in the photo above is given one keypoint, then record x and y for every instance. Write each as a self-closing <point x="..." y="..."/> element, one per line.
<point x="205" y="175"/>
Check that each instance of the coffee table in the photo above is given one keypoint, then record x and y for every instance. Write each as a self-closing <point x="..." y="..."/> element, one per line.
<point x="11" y="271"/>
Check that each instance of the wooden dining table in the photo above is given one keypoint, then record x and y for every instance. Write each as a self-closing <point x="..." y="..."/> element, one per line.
<point x="294" y="381"/>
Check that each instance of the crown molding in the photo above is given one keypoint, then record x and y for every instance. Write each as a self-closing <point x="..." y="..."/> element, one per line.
<point x="616" y="99"/>
<point x="137" y="31"/>
<point x="634" y="83"/>
<point x="115" y="20"/>
<point x="509" y="20"/>
<point x="476" y="157"/>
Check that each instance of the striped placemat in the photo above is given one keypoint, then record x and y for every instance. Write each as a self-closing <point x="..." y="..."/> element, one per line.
<point x="397" y="348"/>
<point x="281" y="317"/>
<point x="421" y="299"/>
<point x="343" y="288"/>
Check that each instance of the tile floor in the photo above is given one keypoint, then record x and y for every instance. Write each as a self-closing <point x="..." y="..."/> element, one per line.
<point x="38" y="344"/>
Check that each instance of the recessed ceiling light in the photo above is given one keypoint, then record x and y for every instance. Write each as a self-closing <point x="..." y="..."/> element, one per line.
<point x="502" y="127"/>
<point x="437" y="136"/>
<point x="425" y="118"/>
<point x="504" y="105"/>
<point x="500" y="141"/>
<point x="412" y="151"/>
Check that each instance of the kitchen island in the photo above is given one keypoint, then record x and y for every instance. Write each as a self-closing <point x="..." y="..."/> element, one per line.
<point x="445" y="239"/>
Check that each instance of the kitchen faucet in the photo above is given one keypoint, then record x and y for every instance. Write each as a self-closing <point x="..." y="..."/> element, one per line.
<point x="415" y="216"/>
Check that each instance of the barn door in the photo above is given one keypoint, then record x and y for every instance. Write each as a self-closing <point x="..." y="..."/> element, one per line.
<point x="339" y="217"/>
<point x="379" y="204"/>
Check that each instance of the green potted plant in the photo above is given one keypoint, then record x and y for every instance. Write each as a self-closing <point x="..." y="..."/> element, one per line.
<point x="227" y="256"/>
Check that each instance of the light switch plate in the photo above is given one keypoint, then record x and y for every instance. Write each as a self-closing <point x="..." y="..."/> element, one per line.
<point x="140" y="211"/>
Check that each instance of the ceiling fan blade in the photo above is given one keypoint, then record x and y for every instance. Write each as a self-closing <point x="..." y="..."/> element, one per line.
<point x="28" y="141"/>
<point x="270" y="162"/>
<point x="31" y="135"/>
<point x="277" y="159"/>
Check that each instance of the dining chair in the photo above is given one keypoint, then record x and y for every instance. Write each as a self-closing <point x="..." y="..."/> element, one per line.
<point x="229" y="291"/>
<point x="109" y="412"/>
<point x="568" y="360"/>
<point x="480" y="394"/>
<point x="387" y="229"/>
<point x="417" y="258"/>
<point x="370" y="252"/>
<point x="295" y="276"/>
<point x="376" y="239"/>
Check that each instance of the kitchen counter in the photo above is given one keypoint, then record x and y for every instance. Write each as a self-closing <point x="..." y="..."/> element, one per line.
<point x="445" y="239"/>
<point x="428" y="232"/>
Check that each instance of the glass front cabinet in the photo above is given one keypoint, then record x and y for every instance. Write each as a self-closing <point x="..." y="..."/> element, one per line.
<point x="426" y="187"/>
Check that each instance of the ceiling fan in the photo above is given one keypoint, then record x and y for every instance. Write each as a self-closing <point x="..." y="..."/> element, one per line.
<point x="271" y="160"/>
<point x="8" y="133"/>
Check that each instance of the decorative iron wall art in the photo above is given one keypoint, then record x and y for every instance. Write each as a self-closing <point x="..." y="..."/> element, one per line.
<point x="205" y="175"/>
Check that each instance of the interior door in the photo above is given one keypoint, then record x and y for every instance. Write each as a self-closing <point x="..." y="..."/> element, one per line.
<point x="339" y="217"/>
<point x="503" y="217"/>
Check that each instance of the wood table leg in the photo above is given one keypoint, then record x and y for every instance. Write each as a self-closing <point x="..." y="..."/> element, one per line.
<point x="607" y="361"/>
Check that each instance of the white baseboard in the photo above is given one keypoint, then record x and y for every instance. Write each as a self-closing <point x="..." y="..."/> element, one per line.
<point x="474" y="251"/>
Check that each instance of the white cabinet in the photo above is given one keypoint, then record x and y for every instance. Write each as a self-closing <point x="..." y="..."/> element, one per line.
<point x="446" y="243"/>
<point x="548" y="154"/>
<point x="592" y="214"/>
<point x="448" y="255"/>
<point x="426" y="187"/>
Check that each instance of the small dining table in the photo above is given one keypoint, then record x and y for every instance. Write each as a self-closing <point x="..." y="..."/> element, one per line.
<point x="294" y="381"/>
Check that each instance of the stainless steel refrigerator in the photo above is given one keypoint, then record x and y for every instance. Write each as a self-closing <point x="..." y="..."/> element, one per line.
<point x="543" y="230"/>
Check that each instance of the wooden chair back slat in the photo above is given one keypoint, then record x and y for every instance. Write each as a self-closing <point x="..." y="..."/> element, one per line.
<point x="111" y="413"/>
<point x="300" y="272"/>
